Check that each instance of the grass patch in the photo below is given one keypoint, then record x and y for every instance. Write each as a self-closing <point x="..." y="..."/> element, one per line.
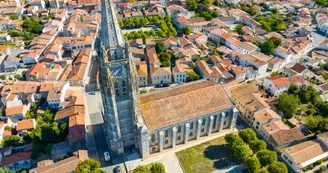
<point x="207" y="157"/>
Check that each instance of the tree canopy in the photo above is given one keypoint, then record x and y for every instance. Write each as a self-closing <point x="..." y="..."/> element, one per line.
<point x="247" y="135"/>
<point x="5" y="170"/>
<point x="141" y="169"/>
<point x="89" y="166"/>
<point x="266" y="157"/>
<point x="278" y="167"/>
<point x="252" y="164"/>
<point x="289" y="104"/>
<point x="159" y="46"/>
<point x="257" y="145"/>
<point x="157" y="168"/>
<point x="186" y="30"/>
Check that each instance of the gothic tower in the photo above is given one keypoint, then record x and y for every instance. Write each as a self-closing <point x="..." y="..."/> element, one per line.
<point x="118" y="83"/>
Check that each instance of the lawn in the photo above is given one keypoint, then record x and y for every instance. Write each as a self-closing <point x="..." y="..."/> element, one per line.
<point x="207" y="157"/>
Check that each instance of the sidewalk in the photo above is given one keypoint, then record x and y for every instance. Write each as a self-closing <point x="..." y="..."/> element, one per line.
<point x="168" y="157"/>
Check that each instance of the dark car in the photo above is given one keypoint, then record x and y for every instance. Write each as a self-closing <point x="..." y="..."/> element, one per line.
<point x="117" y="169"/>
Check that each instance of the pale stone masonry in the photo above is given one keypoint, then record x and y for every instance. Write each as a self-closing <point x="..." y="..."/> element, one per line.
<point x="156" y="121"/>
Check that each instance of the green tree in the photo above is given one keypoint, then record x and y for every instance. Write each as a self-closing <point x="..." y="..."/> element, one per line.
<point x="11" y="141"/>
<point x="266" y="157"/>
<point x="5" y="170"/>
<point x="89" y="165"/>
<point x="18" y="76"/>
<point x="263" y="170"/>
<point x="14" y="33"/>
<point x="192" y="75"/>
<point x="293" y="89"/>
<point x="241" y="152"/>
<point x="157" y="168"/>
<point x="191" y="5"/>
<point x="252" y="164"/>
<point x="304" y="95"/>
<point x="247" y="135"/>
<point x="276" y="41"/>
<point x="233" y="141"/>
<point x="120" y="22"/>
<point x="257" y="145"/>
<point x="3" y="77"/>
<point x="216" y="3"/>
<point x="47" y="149"/>
<point x="207" y="2"/>
<point x="239" y="29"/>
<point x="159" y="46"/>
<point x="289" y="104"/>
<point x="141" y="169"/>
<point x="186" y="30"/>
<point x="165" y="59"/>
<point x="313" y="121"/>
<point x="13" y="17"/>
<point x="278" y="167"/>
<point x="267" y="47"/>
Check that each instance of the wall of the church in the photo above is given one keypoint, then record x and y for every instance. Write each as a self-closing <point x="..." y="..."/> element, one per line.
<point x="181" y="133"/>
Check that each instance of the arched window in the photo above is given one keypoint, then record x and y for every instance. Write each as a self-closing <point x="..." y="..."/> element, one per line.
<point x="153" y="138"/>
<point x="123" y="83"/>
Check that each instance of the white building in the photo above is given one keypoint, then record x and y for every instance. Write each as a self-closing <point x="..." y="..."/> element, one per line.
<point x="275" y="85"/>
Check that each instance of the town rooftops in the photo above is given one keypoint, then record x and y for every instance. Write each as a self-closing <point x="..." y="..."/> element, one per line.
<point x="65" y="165"/>
<point x="299" y="68"/>
<point x="177" y="104"/>
<point x="16" y="157"/>
<point x="15" y="110"/>
<point x="26" y="124"/>
<point x="306" y="151"/>
<point x="248" y="46"/>
<point x="279" y="81"/>
<point x="73" y="110"/>
<point x="266" y="115"/>
<point x="286" y="136"/>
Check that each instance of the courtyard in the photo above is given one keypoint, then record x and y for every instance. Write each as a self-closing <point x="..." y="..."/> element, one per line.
<point x="211" y="156"/>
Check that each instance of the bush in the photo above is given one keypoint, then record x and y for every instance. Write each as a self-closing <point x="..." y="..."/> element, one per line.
<point x="247" y="135"/>
<point x="141" y="169"/>
<point x="143" y="91"/>
<point x="157" y="168"/>
<point x="18" y="76"/>
<point x="267" y="157"/>
<point x="152" y="90"/>
<point x="3" y="77"/>
<point x="322" y="168"/>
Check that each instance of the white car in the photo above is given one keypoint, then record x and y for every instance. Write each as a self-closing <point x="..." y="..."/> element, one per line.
<point x="107" y="156"/>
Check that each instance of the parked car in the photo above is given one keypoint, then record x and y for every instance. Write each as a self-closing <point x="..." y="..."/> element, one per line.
<point x="117" y="169"/>
<point x="92" y="93"/>
<point x="107" y="156"/>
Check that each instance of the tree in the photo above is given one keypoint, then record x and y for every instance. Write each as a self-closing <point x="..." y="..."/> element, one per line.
<point x="278" y="167"/>
<point x="289" y="104"/>
<point x="18" y="76"/>
<point x="157" y="168"/>
<point x="247" y="135"/>
<point x="141" y="169"/>
<point x="11" y="141"/>
<point x="3" y="77"/>
<point x="263" y="170"/>
<point x="304" y="95"/>
<point x="267" y="47"/>
<point x="252" y="164"/>
<point x="192" y="75"/>
<point x="186" y="30"/>
<point x="165" y="59"/>
<point x="266" y="157"/>
<point x="13" y="17"/>
<point x="239" y="29"/>
<point x="88" y="165"/>
<point x="14" y="33"/>
<point x="233" y="140"/>
<point x="241" y="152"/>
<point x="293" y="89"/>
<point x="191" y="5"/>
<point x="276" y="41"/>
<point x="216" y="3"/>
<point x="5" y="170"/>
<point x="207" y="2"/>
<point x="257" y="145"/>
<point x="159" y="46"/>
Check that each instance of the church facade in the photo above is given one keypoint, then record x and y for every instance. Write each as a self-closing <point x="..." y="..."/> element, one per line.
<point x="156" y="121"/>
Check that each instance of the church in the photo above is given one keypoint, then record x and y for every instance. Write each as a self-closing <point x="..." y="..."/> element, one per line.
<point x="179" y="114"/>
<point x="159" y="120"/>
